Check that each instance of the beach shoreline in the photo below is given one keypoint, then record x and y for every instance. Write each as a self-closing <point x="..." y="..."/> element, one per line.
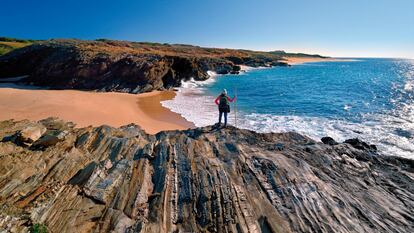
<point x="301" y="60"/>
<point x="86" y="108"/>
<point x="194" y="90"/>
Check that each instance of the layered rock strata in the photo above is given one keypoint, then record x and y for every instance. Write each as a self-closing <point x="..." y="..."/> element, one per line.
<point x="105" y="179"/>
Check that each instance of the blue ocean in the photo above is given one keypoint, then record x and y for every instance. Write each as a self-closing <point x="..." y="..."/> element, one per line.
<point x="372" y="99"/>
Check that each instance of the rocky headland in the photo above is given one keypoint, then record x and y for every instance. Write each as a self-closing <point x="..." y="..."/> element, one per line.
<point x="55" y="177"/>
<point x="64" y="179"/>
<point x="122" y="66"/>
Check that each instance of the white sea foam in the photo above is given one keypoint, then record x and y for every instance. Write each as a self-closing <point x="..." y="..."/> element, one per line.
<point x="245" y="68"/>
<point x="392" y="133"/>
<point x="192" y="103"/>
<point x="376" y="130"/>
<point x="347" y="107"/>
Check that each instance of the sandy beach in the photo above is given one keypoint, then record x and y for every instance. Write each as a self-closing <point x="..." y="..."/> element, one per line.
<point x="299" y="60"/>
<point x="91" y="108"/>
<point x="86" y="108"/>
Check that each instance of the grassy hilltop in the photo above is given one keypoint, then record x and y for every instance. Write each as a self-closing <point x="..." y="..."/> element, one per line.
<point x="9" y="44"/>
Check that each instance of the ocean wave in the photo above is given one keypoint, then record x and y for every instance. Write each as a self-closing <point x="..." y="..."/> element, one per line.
<point x="391" y="139"/>
<point x="392" y="132"/>
<point x="192" y="103"/>
<point x="192" y="84"/>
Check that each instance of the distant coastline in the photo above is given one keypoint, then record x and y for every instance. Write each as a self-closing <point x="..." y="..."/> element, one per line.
<point x="300" y="60"/>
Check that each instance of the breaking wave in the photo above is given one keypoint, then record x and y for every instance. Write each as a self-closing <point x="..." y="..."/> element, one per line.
<point x="392" y="130"/>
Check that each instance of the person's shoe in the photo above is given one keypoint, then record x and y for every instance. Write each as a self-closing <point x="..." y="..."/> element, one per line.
<point x="225" y="126"/>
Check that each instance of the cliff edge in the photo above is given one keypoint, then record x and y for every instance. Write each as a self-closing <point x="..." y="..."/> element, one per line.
<point x="133" y="67"/>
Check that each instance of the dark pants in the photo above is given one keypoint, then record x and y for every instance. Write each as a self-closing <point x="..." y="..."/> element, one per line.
<point x="225" y="117"/>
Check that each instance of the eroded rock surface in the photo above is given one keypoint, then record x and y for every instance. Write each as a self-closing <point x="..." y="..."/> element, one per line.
<point x="200" y="180"/>
<point x="123" y="66"/>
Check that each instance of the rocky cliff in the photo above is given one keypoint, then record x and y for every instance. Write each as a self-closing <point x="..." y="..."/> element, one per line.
<point x="123" y="66"/>
<point x="199" y="180"/>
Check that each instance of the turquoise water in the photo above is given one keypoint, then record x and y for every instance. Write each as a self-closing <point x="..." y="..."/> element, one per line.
<point x="372" y="99"/>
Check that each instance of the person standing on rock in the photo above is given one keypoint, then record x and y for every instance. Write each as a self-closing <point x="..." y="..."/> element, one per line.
<point x="223" y="102"/>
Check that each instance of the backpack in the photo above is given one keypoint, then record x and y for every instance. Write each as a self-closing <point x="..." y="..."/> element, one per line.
<point x="224" y="104"/>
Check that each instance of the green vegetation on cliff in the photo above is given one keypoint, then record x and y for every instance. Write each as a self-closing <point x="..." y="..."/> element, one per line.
<point x="285" y="54"/>
<point x="8" y="44"/>
<point x="38" y="228"/>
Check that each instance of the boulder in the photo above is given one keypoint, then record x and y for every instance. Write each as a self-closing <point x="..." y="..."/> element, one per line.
<point x="329" y="141"/>
<point x="361" y="145"/>
<point x="236" y="68"/>
<point x="30" y="134"/>
<point x="49" y="139"/>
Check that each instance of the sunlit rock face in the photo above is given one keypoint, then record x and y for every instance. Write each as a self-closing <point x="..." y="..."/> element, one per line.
<point x="105" y="179"/>
<point x="123" y="66"/>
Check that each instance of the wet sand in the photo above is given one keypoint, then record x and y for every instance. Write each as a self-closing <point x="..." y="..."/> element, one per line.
<point x="92" y="108"/>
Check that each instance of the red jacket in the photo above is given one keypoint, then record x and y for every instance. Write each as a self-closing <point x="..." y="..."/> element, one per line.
<point x="228" y="98"/>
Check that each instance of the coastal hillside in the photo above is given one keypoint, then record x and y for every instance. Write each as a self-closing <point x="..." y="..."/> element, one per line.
<point x="133" y="67"/>
<point x="63" y="179"/>
<point x="9" y="44"/>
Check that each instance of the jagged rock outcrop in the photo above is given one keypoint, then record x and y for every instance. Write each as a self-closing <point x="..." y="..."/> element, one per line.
<point x="329" y="141"/>
<point x="199" y="180"/>
<point x="122" y="66"/>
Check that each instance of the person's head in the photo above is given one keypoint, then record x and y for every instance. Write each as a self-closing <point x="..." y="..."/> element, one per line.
<point x="224" y="92"/>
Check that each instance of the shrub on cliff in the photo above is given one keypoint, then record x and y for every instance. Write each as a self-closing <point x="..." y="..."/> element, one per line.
<point x="38" y="228"/>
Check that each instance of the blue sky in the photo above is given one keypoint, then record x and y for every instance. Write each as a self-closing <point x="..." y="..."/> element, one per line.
<point x="362" y="28"/>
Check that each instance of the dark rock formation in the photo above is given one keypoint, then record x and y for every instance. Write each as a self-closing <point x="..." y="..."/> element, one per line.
<point x="278" y="63"/>
<point x="329" y="141"/>
<point x="122" y="66"/>
<point x="355" y="142"/>
<point x="200" y="180"/>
